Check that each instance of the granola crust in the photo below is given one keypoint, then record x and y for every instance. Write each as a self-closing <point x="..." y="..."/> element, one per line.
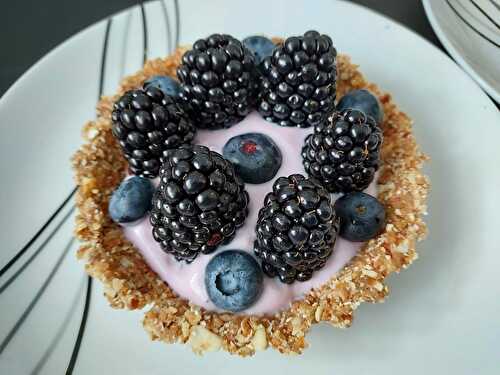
<point x="130" y="283"/>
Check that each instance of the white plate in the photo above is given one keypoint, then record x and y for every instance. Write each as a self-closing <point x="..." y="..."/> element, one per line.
<point x="442" y="314"/>
<point x="469" y="31"/>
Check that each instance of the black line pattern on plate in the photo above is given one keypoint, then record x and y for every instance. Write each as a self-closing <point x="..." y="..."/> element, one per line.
<point x="37" y="252"/>
<point x="35" y="300"/>
<point x="64" y="325"/>
<point x="83" y="322"/>
<point x="124" y="44"/>
<point x="177" y="23"/>
<point x="484" y="13"/>
<point x="81" y="330"/>
<point x="144" y="34"/>
<point x="464" y="20"/>
<point x="167" y="26"/>
<point x="16" y="257"/>
<point x="495" y="4"/>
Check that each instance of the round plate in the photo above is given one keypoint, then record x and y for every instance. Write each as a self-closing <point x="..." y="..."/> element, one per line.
<point x="470" y="32"/>
<point x="440" y="313"/>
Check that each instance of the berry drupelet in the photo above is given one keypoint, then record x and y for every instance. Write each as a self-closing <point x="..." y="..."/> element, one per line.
<point x="364" y="101"/>
<point x="296" y="229"/>
<point x="199" y="203"/>
<point x="343" y="154"/>
<point x="148" y="123"/>
<point x="298" y="81"/>
<point x="218" y="79"/>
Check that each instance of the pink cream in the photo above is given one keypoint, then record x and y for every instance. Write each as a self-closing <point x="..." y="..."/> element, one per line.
<point x="187" y="280"/>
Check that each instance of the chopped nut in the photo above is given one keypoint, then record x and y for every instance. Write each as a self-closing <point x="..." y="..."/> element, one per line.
<point x="259" y="339"/>
<point x="296" y="326"/>
<point x="402" y="247"/>
<point x="202" y="340"/>
<point x="318" y="313"/>
<point x="126" y="263"/>
<point x="117" y="284"/>
<point x="193" y="317"/>
<point x="369" y="273"/>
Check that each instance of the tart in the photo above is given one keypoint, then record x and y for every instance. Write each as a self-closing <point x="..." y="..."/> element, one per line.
<point x="226" y="248"/>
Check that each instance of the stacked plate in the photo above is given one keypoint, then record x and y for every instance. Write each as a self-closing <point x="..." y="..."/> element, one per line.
<point x="470" y="31"/>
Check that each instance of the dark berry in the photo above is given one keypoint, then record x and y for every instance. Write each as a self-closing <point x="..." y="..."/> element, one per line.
<point x="260" y="46"/>
<point x="363" y="101"/>
<point x="298" y="81"/>
<point x="131" y="200"/>
<point x="199" y="203"/>
<point x="147" y="124"/>
<point x="218" y="81"/>
<point x="296" y="229"/>
<point x="233" y="280"/>
<point x="255" y="156"/>
<point x="362" y="217"/>
<point x="166" y="84"/>
<point x="343" y="154"/>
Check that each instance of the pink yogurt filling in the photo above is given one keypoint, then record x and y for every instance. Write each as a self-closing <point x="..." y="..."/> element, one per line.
<point x="187" y="280"/>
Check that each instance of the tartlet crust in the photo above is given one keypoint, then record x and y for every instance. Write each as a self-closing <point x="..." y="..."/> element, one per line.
<point x="129" y="282"/>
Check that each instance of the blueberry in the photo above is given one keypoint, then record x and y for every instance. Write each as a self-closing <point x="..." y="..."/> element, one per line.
<point x="233" y="280"/>
<point x="166" y="84"/>
<point x="364" y="101"/>
<point x="260" y="46"/>
<point x="362" y="217"/>
<point x="255" y="156"/>
<point x="131" y="200"/>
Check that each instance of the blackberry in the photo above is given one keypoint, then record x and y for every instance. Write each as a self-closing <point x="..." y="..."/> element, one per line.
<point x="199" y="203"/>
<point x="298" y="81"/>
<point x="218" y="79"/>
<point x="343" y="153"/>
<point x="147" y="124"/>
<point x="296" y="229"/>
